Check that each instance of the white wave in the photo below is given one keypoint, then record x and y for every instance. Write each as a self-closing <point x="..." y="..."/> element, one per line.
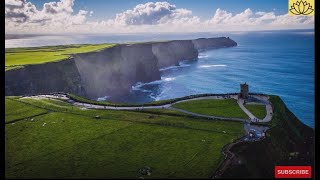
<point x="168" y="79"/>
<point x="184" y="63"/>
<point x="142" y="90"/>
<point x="154" y="82"/>
<point x="200" y="56"/>
<point x="212" y="65"/>
<point x="103" y="98"/>
<point x="152" y="96"/>
<point x="181" y="64"/>
<point x="139" y="85"/>
<point x="159" y="96"/>
<point x="170" y="67"/>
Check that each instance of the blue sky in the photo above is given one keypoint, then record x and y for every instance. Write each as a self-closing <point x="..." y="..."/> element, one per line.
<point x="143" y="16"/>
<point x="203" y="8"/>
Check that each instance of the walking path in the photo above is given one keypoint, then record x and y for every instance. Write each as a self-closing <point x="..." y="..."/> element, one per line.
<point x="169" y="106"/>
<point x="269" y="114"/>
<point x="264" y="100"/>
<point x="244" y="109"/>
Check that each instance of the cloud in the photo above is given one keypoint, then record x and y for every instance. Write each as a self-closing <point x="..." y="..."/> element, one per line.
<point x="293" y="20"/>
<point x="22" y="16"/>
<point x="151" y="14"/>
<point x="248" y="20"/>
<point x="18" y="11"/>
<point x="64" y="6"/>
<point x="13" y="4"/>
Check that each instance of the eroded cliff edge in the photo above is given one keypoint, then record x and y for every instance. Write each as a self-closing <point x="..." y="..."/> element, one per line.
<point x="112" y="71"/>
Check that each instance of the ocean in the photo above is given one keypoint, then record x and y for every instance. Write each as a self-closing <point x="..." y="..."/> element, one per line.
<point x="271" y="62"/>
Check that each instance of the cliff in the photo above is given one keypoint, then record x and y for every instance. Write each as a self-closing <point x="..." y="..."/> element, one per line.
<point x="62" y="76"/>
<point x="115" y="70"/>
<point x="210" y="43"/>
<point x="172" y="52"/>
<point x="112" y="71"/>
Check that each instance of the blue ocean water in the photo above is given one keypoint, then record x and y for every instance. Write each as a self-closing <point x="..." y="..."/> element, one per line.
<point x="271" y="62"/>
<point x="279" y="63"/>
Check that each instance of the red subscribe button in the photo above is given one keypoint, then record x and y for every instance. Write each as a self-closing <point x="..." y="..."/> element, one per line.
<point x="292" y="171"/>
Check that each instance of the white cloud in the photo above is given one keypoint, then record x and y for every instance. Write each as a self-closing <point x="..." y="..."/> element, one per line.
<point x="152" y="14"/>
<point x="23" y="16"/>
<point x="59" y="17"/>
<point x="248" y="20"/>
<point x="64" y="6"/>
<point x="13" y="3"/>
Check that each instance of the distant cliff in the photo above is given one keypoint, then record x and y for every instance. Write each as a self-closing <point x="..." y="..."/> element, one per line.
<point x="108" y="72"/>
<point x="210" y="43"/>
<point x="172" y="52"/>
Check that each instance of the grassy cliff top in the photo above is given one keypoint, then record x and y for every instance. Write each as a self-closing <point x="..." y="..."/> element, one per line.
<point x="213" y="107"/>
<point x="18" y="57"/>
<point x="53" y="139"/>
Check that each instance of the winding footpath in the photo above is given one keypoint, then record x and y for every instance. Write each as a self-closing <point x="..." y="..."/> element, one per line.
<point x="263" y="100"/>
<point x="169" y="106"/>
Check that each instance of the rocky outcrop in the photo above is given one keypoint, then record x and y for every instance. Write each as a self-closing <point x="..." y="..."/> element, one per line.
<point x="212" y="43"/>
<point x="112" y="71"/>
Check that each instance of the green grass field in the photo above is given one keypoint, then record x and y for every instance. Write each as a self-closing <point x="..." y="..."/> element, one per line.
<point x="214" y="107"/>
<point x="257" y="110"/>
<point x="69" y="142"/>
<point x="17" y="57"/>
<point x="15" y="110"/>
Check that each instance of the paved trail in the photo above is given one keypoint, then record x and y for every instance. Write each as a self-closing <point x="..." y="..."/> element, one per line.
<point x="169" y="106"/>
<point x="263" y="100"/>
<point x="244" y="109"/>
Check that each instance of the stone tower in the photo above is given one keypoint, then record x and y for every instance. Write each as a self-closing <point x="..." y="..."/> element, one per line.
<point x="244" y="91"/>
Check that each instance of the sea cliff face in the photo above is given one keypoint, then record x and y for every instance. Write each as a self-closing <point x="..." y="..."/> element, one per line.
<point x="115" y="70"/>
<point x="62" y="76"/>
<point x="112" y="71"/>
<point x="211" y="43"/>
<point x="172" y="52"/>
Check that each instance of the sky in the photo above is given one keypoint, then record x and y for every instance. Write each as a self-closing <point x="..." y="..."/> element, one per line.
<point x="146" y="16"/>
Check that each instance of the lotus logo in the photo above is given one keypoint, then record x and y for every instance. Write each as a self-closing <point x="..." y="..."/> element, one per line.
<point x="301" y="8"/>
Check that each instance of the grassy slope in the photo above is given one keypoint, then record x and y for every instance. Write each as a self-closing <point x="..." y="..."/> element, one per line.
<point x="221" y="107"/>
<point x="287" y="135"/>
<point x="16" y="111"/>
<point x="258" y="110"/>
<point x="17" y="57"/>
<point x="73" y="143"/>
